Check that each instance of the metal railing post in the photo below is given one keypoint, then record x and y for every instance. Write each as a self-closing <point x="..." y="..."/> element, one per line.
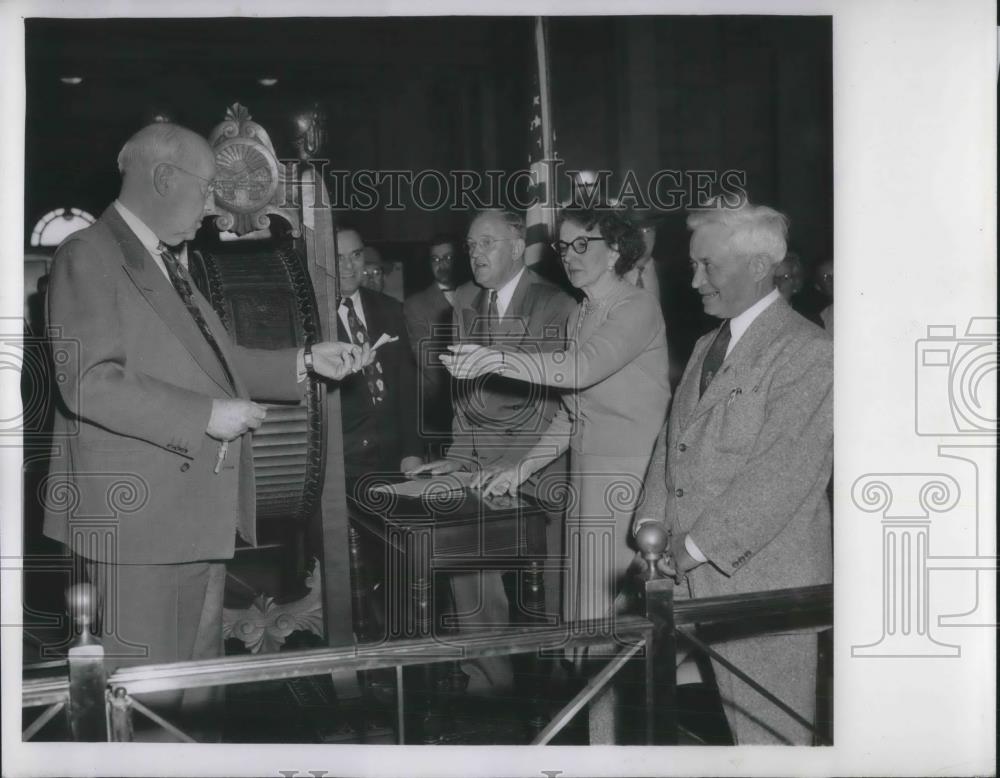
<point x="87" y="677"/>
<point x="661" y="654"/>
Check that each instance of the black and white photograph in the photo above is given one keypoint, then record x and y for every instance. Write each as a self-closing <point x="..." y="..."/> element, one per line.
<point x="464" y="378"/>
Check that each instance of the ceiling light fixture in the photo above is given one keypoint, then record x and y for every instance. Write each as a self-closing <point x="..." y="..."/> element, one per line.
<point x="267" y="81"/>
<point x="71" y="80"/>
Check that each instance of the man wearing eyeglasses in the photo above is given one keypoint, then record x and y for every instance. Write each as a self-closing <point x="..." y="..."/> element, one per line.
<point x="428" y="323"/>
<point x="645" y="274"/>
<point x="156" y="410"/>
<point x="497" y="421"/>
<point x="378" y="406"/>
<point x="373" y="276"/>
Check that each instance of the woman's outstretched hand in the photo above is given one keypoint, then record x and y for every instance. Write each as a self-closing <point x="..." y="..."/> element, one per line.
<point x="470" y="361"/>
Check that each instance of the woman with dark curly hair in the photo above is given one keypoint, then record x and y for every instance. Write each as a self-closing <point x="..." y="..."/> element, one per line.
<point x="615" y="374"/>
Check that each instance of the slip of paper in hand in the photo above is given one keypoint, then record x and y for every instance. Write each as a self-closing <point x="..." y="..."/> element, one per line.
<point x="384" y="339"/>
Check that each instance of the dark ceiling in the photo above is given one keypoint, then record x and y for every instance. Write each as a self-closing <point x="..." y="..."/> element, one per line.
<point x="690" y="93"/>
<point x="367" y="71"/>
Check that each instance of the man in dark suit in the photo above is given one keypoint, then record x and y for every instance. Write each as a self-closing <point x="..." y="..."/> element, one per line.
<point x="379" y="405"/>
<point x="159" y="396"/>
<point x="497" y="421"/>
<point x="739" y="473"/>
<point x="428" y="323"/>
<point x="646" y="273"/>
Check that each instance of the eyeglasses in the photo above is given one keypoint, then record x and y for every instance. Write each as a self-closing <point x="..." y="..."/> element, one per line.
<point x="373" y="272"/>
<point x="444" y="258"/>
<point x="209" y="182"/>
<point x="484" y="243"/>
<point x="580" y="245"/>
<point x="355" y="256"/>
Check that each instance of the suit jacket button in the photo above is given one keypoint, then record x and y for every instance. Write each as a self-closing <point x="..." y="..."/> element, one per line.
<point x="185" y="467"/>
<point x="679" y="492"/>
<point x="683" y="447"/>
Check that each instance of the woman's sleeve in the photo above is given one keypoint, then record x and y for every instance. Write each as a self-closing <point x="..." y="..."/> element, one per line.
<point x="628" y="330"/>
<point x="554" y="440"/>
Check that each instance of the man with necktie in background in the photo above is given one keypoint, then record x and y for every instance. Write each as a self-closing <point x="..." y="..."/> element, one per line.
<point x="740" y="470"/>
<point x="379" y="405"/>
<point x="160" y="393"/>
<point x="646" y="272"/>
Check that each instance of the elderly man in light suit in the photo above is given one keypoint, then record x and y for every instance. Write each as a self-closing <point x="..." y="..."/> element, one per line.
<point x="160" y="394"/>
<point x="739" y="473"/>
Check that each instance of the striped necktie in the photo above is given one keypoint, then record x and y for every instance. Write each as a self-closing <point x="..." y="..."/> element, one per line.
<point x="179" y="278"/>
<point x="492" y="316"/>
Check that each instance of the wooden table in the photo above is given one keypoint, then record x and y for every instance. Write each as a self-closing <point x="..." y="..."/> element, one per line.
<point x="414" y="544"/>
<point x="422" y="539"/>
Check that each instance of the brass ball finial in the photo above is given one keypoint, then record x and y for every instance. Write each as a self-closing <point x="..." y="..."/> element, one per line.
<point x="81" y="598"/>
<point x="651" y="539"/>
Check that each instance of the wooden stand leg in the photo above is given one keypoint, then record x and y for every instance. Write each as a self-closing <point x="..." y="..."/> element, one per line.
<point x="537" y="669"/>
<point x="359" y="586"/>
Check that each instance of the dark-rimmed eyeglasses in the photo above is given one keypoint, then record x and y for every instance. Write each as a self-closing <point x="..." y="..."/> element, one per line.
<point x="579" y="245"/>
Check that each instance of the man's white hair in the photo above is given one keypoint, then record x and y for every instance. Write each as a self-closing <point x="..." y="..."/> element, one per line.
<point x="753" y="229"/>
<point x="159" y="142"/>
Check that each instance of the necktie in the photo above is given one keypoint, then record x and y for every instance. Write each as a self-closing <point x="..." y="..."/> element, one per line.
<point x="179" y="278"/>
<point x="359" y="336"/>
<point x="493" y="315"/>
<point x="715" y="356"/>
<point x="638" y="278"/>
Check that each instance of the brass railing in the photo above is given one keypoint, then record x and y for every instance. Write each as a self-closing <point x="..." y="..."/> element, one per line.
<point x="99" y="707"/>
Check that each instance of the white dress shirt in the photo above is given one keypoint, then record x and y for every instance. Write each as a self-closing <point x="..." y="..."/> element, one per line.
<point x="148" y="238"/>
<point x="358" y="310"/>
<point x="737" y="326"/>
<point x="650" y="280"/>
<point x="740" y="324"/>
<point x="506" y="292"/>
<point x="151" y="243"/>
<point x="449" y="294"/>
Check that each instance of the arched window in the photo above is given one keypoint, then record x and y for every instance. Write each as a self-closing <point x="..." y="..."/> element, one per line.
<point x="56" y="225"/>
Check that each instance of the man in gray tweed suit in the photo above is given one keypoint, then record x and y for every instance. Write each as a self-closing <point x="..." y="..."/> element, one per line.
<point x="739" y="472"/>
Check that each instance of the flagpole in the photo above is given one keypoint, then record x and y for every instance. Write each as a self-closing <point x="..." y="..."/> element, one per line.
<point x="542" y="53"/>
<point x="541" y="217"/>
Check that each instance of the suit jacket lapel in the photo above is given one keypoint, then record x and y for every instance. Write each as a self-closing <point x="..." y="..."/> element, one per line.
<point x="154" y="286"/>
<point x="686" y="400"/>
<point x="373" y="320"/>
<point x="474" y="319"/>
<point x="743" y="357"/>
